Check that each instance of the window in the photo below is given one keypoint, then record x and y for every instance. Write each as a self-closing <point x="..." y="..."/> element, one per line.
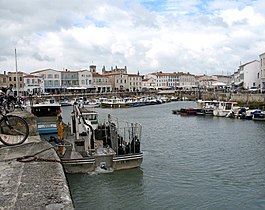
<point x="56" y="83"/>
<point x="56" y="76"/>
<point x="50" y="76"/>
<point x="20" y="79"/>
<point x="15" y="79"/>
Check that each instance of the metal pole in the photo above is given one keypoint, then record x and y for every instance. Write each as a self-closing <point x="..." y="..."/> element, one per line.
<point x="16" y="72"/>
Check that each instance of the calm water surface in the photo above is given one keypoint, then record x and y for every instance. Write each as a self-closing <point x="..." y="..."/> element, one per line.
<point x="189" y="163"/>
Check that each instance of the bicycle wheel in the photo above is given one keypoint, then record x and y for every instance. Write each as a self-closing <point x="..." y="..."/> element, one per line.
<point x="14" y="130"/>
<point x="9" y="106"/>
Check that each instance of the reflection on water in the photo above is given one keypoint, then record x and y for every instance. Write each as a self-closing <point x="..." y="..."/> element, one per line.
<point x="189" y="162"/>
<point x="95" y="191"/>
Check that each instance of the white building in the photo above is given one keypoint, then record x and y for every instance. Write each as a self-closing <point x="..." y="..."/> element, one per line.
<point x="33" y="84"/>
<point x="52" y="79"/>
<point x="85" y="79"/>
<point x="164" y="81"/>
<point x="250" y="71"/>
<point x="148" y="83"/>
<point x="262" y="72"/>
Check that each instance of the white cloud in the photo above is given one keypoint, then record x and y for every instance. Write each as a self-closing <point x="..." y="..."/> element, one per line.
<point x="174" y="35"/>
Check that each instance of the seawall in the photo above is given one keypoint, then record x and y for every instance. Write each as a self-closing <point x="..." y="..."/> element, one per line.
<point x="36" y="182"/>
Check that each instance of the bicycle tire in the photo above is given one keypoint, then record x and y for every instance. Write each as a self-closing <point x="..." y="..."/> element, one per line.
<point x="9" y="106"/>
<point x="14" y="130"/>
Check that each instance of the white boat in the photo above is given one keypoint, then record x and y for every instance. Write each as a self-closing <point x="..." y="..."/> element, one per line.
<point x="91" y="103"/>
<point x="206" y="107"/>
<point x="114" y="103"/>
<point x="100" y="147"/>
<point x="223" y="108"/>
<point x="66" y="103"/>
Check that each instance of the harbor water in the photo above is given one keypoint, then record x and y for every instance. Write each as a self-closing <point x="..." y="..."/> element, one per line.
<point x="194" y="162"/>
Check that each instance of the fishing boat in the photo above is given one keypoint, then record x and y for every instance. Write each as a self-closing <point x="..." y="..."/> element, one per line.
<point x="206" y="107"/>
<point x="223" y="108"/>
<point x="46" y="114"/>
<point x="114" y="103"/>
<point x="104" y="147"/>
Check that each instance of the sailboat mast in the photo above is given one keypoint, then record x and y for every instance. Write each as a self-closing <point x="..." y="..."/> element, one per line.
<point x="16" y="72"/>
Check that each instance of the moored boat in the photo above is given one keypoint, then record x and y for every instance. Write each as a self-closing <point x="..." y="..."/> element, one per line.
<point x="100" y="147"/>
<point x="223" y="108"/>
<point x="46" y="114"/>
<point x="259" y="115"/>
<point x="206" y="107"/>
<point x="114" y="103"/>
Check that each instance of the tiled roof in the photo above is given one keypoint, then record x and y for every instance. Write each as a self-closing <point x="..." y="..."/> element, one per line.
<point x="98" y="75"/>
<point x="39" y="71"/>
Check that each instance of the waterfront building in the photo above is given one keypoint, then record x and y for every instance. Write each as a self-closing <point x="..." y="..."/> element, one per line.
<point x="135" y="82"/>
<point x="85" y="80"/>
<point x="206" y="82"/>
<point x="251" y="74"/>
<point x="118" y="80"/>
<point x="237" y="79"/>
<point x="4" y="79"/>
<point x="16" y="78"/>
<point x="164" y="81"/>
<point x="101" y="83"/>
<point x="148" y="84"/>
<point x="52" y="79"/>
<point x="33" y="85"/>
<point x="247" y="75"/>
<point x="77" y="80"/>
<point x="214" y="81"/>
<point x="186" y="80"/>
<point x="262" y="72"/>
<point x="114" y="70"/>
<point x="56" y="81"/>
<point x="224" y="79"/>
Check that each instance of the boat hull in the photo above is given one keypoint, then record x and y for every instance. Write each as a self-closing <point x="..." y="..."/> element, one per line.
<point x="94" y="164"/>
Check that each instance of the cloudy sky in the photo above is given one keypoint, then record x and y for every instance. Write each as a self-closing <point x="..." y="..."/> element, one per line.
<point x="196" y="36"/>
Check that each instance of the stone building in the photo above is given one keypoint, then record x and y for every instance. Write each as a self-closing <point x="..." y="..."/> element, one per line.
<point x="101" y="83"/>
<point x="3" y="80"/>
<point x="16" y="78"/>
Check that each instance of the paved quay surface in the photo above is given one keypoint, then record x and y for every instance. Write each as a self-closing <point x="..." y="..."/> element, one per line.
<point x="37" y="184"/>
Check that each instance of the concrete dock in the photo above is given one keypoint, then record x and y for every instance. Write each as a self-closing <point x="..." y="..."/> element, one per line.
<point x="32" y="177"/>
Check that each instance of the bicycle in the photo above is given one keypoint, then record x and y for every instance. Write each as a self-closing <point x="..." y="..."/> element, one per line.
<point x="9" y="103"/>
<point x="14" y="130"/>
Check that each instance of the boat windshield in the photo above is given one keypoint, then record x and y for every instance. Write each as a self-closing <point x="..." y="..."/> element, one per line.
<point x="45" y="111"/>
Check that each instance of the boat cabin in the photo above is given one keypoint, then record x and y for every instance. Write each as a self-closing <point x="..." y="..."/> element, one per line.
<point x="46" y="118"/>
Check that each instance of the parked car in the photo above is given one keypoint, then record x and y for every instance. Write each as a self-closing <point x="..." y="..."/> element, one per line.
<point x="253" y="89"/>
